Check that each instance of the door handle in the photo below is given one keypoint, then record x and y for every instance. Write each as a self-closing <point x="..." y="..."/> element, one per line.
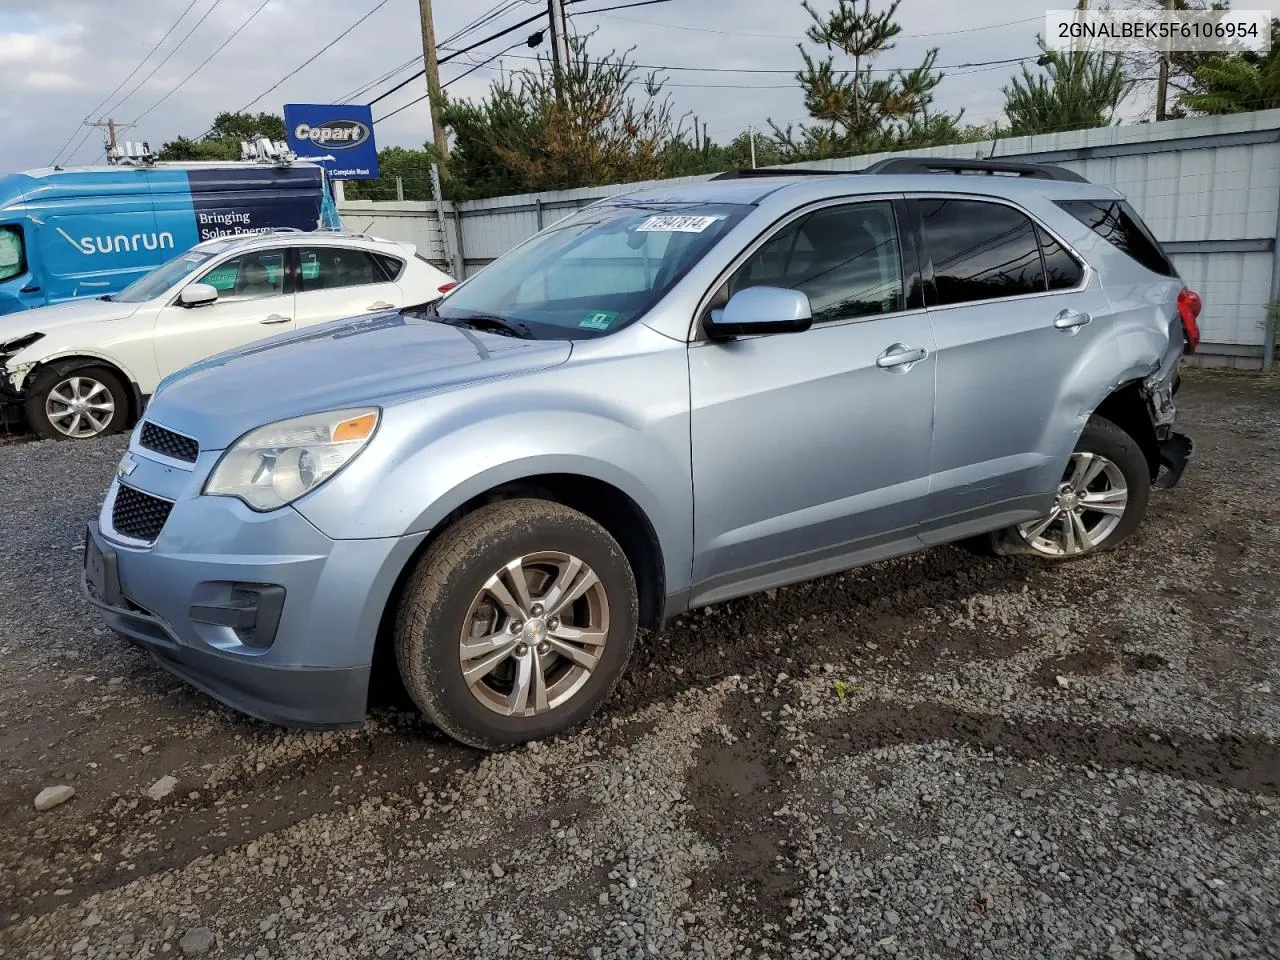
<point x="276" y="318"/>
<point x="1071" y="320"/>
<point x="380" y="305"/>
<point x="33" y="288"/>
<point x="900" y="355"/>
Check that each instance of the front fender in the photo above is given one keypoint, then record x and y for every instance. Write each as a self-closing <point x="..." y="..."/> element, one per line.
<point x="420" y="468"/>
<point x="20" y="366"/>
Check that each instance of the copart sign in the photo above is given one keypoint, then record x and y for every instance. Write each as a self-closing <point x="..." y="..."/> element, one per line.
<point x="337" y="136"/>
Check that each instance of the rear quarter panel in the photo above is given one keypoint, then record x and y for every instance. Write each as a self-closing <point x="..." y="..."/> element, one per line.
<point x="1142" y="335"/>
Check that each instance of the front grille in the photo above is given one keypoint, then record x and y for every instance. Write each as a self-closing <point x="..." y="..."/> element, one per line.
<point x="171" y="444"/>
<point x="139" y="515"/>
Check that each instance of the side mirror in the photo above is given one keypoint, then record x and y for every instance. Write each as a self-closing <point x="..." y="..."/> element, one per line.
<point x="761" y="310"/>
<point x="197" y="295"/>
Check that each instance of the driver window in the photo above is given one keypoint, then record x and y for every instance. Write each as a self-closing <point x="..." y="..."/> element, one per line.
<point x="251" y="276"/>
<point x="844" y="258"/>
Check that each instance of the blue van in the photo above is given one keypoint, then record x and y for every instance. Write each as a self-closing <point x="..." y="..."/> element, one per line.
<point x="90" y="231"/>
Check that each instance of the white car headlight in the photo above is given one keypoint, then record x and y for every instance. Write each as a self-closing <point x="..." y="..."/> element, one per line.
<point x="276" y="464"/>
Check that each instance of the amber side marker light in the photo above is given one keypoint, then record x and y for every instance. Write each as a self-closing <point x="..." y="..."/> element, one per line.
<point x="358" y="428"/>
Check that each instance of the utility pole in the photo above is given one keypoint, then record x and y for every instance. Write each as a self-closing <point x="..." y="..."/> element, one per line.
<point x="1162" y="85"/>
<point x="112" y="129"/>
<point x="433" y="83"/>
<point x="753" y="147"/>
<point x="559" y="43"/>
<point x="559" y="33"/>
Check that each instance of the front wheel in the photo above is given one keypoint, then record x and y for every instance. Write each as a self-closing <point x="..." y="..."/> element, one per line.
<point x="1100" y="500"/>
<point x="84" y="403"/>
<point x="516" y="624"/>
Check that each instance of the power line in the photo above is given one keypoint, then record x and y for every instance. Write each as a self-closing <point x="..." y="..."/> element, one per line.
<point x="365" y="87"/>
<point x="502" y="33"/>
<point x="315" y="56"/>
<point x="792" y="70"/>
<point x="138" y="86"/>
<point x="151" y="53"/>
<point x="483" y="64"/>
<point x="774" y="36"/>
<point x="247" y="20"/>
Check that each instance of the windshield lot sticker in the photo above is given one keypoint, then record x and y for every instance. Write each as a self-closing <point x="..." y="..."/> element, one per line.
<point x="671" y="224"/>
<point x="599" y="320"/>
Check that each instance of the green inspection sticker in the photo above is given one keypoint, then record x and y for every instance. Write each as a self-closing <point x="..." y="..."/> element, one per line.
<point x="599" y="320"/>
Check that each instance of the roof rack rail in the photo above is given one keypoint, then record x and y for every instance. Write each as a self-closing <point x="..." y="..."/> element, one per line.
<point x="777" y="172"/>
<point x="1007" y="168"/>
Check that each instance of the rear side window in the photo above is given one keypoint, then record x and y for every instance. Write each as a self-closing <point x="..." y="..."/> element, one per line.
<point x="1119" y="224"/>
<point x="1062" y="270"/>
<point x="13" y="258"/>
<point x="325" y="268"/>
<point x="980" y="251"/>
<point x="389" y="266"/>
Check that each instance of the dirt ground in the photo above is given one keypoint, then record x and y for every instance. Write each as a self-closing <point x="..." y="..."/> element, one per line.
<point x="940" y="756"/>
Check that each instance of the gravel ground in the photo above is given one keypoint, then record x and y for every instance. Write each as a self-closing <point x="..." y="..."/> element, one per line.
<point x="941" y="756"/>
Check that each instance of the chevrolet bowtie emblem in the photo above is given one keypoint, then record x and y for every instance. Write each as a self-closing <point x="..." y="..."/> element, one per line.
<point x="127" y="465"/>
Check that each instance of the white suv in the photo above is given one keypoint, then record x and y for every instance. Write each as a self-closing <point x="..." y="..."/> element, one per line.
<point x="83" y="369"/>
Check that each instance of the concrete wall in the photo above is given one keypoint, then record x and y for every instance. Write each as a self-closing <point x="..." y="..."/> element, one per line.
<point x="1209" y="188"/>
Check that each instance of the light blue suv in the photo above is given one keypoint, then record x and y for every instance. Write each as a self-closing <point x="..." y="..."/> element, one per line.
<point x="666" y="400"/>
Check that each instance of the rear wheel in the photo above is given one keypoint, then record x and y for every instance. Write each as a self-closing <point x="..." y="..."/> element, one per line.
<point x="78" y="405"/>
<point x="516" y="624"/>
<point x="1100" y="500"/>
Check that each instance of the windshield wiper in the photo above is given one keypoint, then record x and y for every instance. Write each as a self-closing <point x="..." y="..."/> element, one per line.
<point x="491" y="323"/>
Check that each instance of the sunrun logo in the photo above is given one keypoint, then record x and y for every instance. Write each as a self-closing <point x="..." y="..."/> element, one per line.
<point x="120" y="242"/>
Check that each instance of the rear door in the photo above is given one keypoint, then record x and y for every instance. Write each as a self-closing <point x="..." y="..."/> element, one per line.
<point x="255" y="300"/>
<point x="1015" y="314"/>
<point x="339" y="282"/>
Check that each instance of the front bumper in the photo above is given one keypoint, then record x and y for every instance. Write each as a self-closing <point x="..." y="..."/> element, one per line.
<point x="260" y="611"/>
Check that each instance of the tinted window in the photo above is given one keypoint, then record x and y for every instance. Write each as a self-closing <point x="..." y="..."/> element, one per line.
<point x="1063" y="270"/>
<point x="389" y="266"/>
<point x="250" y="276"/>
<point x="13" y="258"/>
<point x="844" y="258"/>
<point x="324" y="268"/>
<point x="1118" y="223"/>
<point x="980" y="250"/>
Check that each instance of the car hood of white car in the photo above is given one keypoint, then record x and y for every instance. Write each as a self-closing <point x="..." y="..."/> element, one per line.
<point x="369" y="361"/>
<point x="48" y="319"/>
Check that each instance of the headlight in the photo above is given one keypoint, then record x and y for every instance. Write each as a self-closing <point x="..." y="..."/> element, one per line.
<point x="278" y="463"/>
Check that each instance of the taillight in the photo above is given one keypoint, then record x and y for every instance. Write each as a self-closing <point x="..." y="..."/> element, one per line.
<point x="1189" y="309"/>
<point x="453" y="283"/>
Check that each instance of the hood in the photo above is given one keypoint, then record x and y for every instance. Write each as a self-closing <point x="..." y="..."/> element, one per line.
<point x="47" y="319"/>
<point x="371" y="361"/>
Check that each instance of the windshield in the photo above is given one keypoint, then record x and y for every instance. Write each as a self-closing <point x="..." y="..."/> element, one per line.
<point x="594" y="273"/>
<point x="13" y="262"/>
<point x="151" y="285"/>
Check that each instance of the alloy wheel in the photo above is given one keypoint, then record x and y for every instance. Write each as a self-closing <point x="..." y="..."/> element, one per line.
<point x="534" y="634"/>
<point x="1090" y="504"/>
<point x="80" y="407"/>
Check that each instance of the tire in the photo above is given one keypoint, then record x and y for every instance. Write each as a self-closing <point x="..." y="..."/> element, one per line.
<point x="98" y="386"/>
<point x="1109" y="459"/>
<point x="449" y="588"/>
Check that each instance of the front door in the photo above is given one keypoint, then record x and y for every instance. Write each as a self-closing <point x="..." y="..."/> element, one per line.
<point x="1013" y="318"/>
<point x="811" y="450"/>
<point x="254" y="301"/>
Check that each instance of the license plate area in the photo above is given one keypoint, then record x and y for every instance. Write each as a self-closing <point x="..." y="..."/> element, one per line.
<point x="101" y="577"/>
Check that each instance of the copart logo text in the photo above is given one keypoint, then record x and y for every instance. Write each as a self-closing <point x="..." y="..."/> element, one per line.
<point x="336" y="134"/>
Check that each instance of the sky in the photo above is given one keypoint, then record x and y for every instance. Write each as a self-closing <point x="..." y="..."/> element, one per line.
<point x="59" y="59"/>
